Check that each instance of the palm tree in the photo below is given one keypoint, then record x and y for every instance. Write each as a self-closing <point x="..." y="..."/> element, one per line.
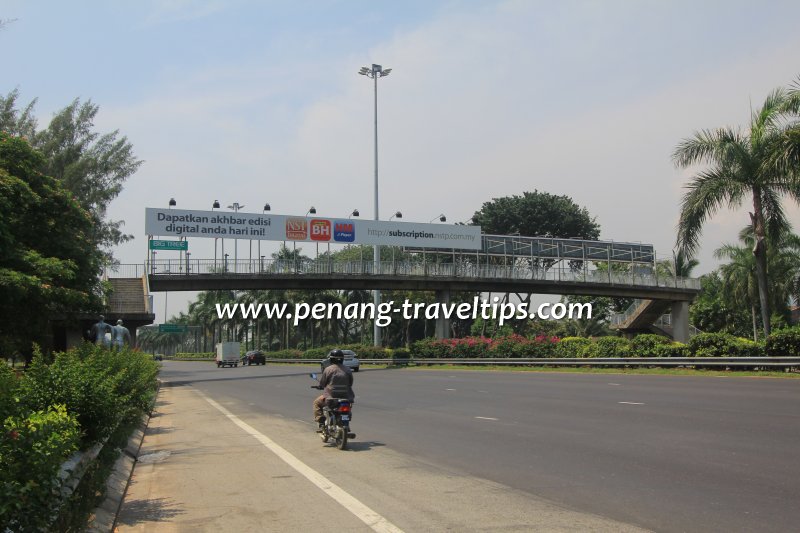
<point x="739" y="274"/>
<point x="740" y="165"/>
<point x="739" y="279"/>
<point x="787" y="155"/>
<point x="682" y="265"/>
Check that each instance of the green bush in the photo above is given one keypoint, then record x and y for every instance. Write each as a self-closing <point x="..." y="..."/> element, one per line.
<point x="674" y="349"/>
<point x="747" y="348"/>
<point x="647" y="344"/>
<point x="784" y="343"/>
<point x="610" y="347"/>
<point x="366" y="351"/>
<point x="81" y="397"/>
<point x="195" y="355"/>
<point x="101" y="388"/>
<point x="713" y="345"/>
<point x="285" y="354"/>
<point x="32" y="448"/>
<point x="68" y="381"/>
<point x="362" y="351"/>
<point x="316" y="353"/>
<point x="400" y="353"/>
<point x="572" y="347"/>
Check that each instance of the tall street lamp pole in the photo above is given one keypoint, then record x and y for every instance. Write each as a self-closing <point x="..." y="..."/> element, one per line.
<point x="235" y="206"/>
<point x="375" y="72"/>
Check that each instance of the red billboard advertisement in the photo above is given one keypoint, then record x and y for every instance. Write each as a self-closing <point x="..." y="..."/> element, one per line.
<point x="296" y="229"/>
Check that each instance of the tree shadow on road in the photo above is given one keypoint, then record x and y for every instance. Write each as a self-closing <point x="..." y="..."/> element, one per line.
<point x="158" y="430"/>
<point x="154" y="510"/>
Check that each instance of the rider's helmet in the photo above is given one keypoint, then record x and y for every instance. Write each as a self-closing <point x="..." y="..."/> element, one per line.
<point x="336" y="357"/>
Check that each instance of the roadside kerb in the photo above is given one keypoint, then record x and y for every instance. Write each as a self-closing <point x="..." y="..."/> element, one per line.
<point x="104" y="517"/>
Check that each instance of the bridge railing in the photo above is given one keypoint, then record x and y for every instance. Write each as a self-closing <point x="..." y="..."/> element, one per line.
<point x="517" y="271"/>
<point x="133" y="270"/>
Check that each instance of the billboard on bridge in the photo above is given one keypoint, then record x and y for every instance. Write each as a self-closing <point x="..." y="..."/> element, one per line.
<point x="255" y="226"/>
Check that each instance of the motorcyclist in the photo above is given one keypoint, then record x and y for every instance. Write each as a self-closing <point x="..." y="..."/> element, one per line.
<point x="336" y="382"/>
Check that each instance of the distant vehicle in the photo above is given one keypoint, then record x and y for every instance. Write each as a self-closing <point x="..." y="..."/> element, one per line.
<point x="254" y="357"/>
<point x="228" y="354"/>
<point x="350" y="360"/>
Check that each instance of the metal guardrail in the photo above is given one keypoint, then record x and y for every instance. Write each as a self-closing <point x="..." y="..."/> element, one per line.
<point x="519" y="270"/>
<point x="776" y="362"/>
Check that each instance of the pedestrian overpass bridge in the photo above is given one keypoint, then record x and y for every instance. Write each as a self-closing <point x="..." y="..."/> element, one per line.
<point x="506" y="264"/>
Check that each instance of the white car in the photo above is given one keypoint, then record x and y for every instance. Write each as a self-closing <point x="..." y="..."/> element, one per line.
<point x="350" y="360"/>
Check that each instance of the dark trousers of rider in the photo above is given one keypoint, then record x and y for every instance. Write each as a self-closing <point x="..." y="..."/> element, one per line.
<point x="319" y="403"/>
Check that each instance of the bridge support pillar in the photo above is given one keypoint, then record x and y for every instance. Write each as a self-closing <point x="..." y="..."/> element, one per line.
<point x="442" y="324"/>
<point x="680" y="321"/>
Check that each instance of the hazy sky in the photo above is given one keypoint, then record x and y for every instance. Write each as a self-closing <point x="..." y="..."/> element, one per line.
<point x="256" y="102"/>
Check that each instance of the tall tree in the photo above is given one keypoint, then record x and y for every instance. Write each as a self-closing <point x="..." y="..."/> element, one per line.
<point x="740" y="165"/>
<point x="91" y="165"/>
<point x="49" y="262"/>
<point x="536" y="214"/>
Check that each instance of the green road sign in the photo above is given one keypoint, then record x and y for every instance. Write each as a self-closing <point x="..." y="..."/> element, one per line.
<point x="169" y="245"/>
<point x="172" y="328"/>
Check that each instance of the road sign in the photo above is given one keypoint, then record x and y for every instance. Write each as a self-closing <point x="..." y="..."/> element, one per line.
<point x="172" y="328"/>
<point x="169" y="245"/>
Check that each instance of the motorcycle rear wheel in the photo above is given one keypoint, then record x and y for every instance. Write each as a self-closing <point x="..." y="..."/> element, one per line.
<point x="341" y="438"/>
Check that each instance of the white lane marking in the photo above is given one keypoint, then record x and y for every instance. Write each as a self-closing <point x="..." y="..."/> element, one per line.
<point x="449" y="389"/>
<point x="484" y="391"/>
<point x="631" y="403"/>
<point x="615" y="384"/>
<point x="485" y="418"/>
<point x="375" y="521"/>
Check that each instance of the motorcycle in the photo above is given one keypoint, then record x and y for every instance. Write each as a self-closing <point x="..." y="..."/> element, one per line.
<point x="337" y="413"/>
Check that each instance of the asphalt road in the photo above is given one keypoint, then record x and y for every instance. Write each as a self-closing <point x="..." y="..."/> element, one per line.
<point x="666" y="453"/>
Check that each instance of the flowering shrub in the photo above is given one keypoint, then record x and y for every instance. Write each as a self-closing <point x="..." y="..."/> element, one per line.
<point x="481" y="347"/>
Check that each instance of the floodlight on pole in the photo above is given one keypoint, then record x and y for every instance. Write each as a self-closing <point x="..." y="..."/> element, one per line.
<point x="261" y="267"/>
<point x="215" y="205"/>
<point x="375" y="72"/>
<point x="355" y="213"/>
<point x="441" y="218"/>
<point x="398" y="214"/>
